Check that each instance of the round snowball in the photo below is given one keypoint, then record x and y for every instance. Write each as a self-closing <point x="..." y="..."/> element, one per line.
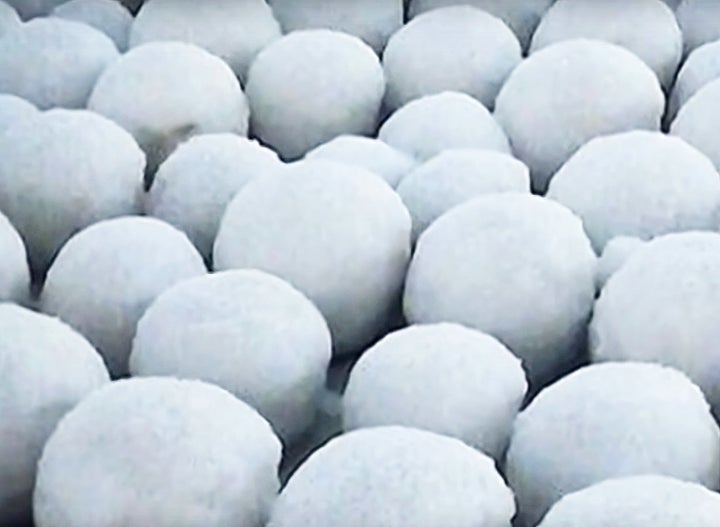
<point x="616" y="252"/>
<point x="544" y="107"/>
<point x="700" y="68"/>
<point x="46" y="369"/>
<point x="699" y="21"/>
<point x="14" y="272"/>
<point x="106" y="276"/>
<point x="338" y="233"/>
<point x="696" y="121"/>
<point x="377" y="476"/>
<point x="158" y="452"/>
<point x="13" y="109"/>
<point x="108" y="16"/>
<point x="311" y="86"/>
<point x="9" y="19"/>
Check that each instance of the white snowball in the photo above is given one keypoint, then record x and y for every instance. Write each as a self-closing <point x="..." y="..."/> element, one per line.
<point x="699" y="21"/>
<point x="425" y="127"/>
<point x="194" y="185"/>
<point x="33" y="8"/>
<point x="106" y="276"/>
<point x="13" y="108"/>
<point x="311" y="86"/>
<point x="9" y="19"/>
<point x="456" y="48"/>
<point x="395" y="476"/>
<point x="568" y="93"/>
<point x="46" y="369"/>
<point x="700" y="68"/>
<point x="14" y="272"/>
<point x="158" y="452"/>
<point x="53" y="62"/>
<point x="233" y="30"/>
<point x="108" y="16"/>
<point x="697" y="121"/>
<point x="456" y="176"/>
<point x="617" y="251"/>
<point x="607" y="421"/>
<point x="63" y="170"/>
<point x="336" y="232"/>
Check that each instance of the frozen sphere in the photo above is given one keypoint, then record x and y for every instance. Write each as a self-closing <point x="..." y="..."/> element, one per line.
<point x="336" y="232"/>
<point x="311" y="86"/>
<point x="640" y="184"/>
<point x="106" y="276"/>
<point x="699" y="21"/>
<point x="617" y="251"/>
<point x="700" y="68"/>
<point x="456" y="176"/>
<point x="13" y="108"/>
<point x="108" y="16"/>
<point x="607" y="421"/>
<point x="14" y="272"/>
<point x="194" y="185"/>
<point x="365" y="152"/>
<point x="458" y="48"/>
<point x="158" y="452"/>
<point x="425" y="127"/>
<point x="444" y="378"/>
<point x="53" y="62"/>
<point x="9" y="19"/>
<point x="234" y="30"/>
<point x="33" y="8"/>
<point x="525" y="256"/>
<point x="46" y="369"/>
<point x="395" y="476"/>
<point x="544" y="106"/>
<point x="697" y="121"/>
<point x="63" y="170"/>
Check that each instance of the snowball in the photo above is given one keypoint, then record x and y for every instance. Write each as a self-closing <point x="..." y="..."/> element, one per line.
<point x="33" y="8"/>
<point x="393" y="476"/>
<point x="617" y="251"/>
<point x="700" y="68"/>
<point x="158" y="452"/>
<point x="108" y="16"/>
<point x="699" y="21"/>
<point x="46" y="369"/>
<point x="53" y="62"/>
<point x="425" y="127"/>
<point x="194" y="185"/>
<point x="13" y="108"/>
<point x="105" y="277"/>
<point x="336" y="232"/>
<point x="456" y="176"/>
<point x="456" y="48"/>
<point x="697" y="121"/>
<point x="9" y="19"/>
<point x="545" y="105"/>
<point x="311" y="86"/>
<point x="364" y="152"/>
<point x="233" y="30"/>
<point x="14" y="273"/>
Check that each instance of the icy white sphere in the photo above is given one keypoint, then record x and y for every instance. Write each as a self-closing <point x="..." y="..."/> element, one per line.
<point x="697" y="121"/>
<point x="158" y="452"/>
<point x="699" y="21"/>
<point x="568" y="93"/>
<point x="617" y="251"/>
<point x="194" y="185"/>
<point x="311" y="86"/>
<point x="233" y="30"/>
<point x="106" y="276"/>
<point x="28" y="9"/>
<point x="9" y="19"/>
<point x="607" y="421"/>
<point x="336" y="232"/>
<point x="63" y="170"/>
<point x="13" y="108"/>
<point x="108" y="16"/>
<point x="457" y="48"/>
<point x="700" y="68"/>
<point x="425" y="127"/>
<point x="525" y="256"/>
<point x="393" y="476"/>
<point x="14" y="272"/>
<point x="46" y="369"/>
<point x="456" y="176"/>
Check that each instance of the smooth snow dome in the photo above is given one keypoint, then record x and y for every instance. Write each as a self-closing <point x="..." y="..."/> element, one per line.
<point x="158" y="451"/>
<point x="700" y="68"/>
<point x="9" y="19"/>
<point x="194" y="185"/>
<point x="13" y="108"/>
<point x="616" y="252"/>
<point x="445" y="378"/>
<point x="311" y="86"/>
<point x="393" y="476"/>
<point x="28" y="9"/>
<point x="46" y="369"/>
<point x="457" y="48"/>
<point x="456" y="176"/>
<point x="108" y="16"/>
<point x="63" y="170"/>
<point x="233" y="30"/>
<point x="106" y="276"/>
<point x="568" y="93"/>
<point x="525" y="256"/>
<point x="337" y="233"/>
<point x="14" y="272"/>
<point x="698" y="20"/>
<point x="697" y="121"/>
<point x="425" y="127"/>
<point x="53" y="62"/>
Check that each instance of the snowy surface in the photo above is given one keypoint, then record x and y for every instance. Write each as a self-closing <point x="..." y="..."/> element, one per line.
<point x="108" y="16"/>
<point x="14" y="108"/>
<point x="34" y="8"/>
<point x="699" y="21"/>
<point x="617" y="251"/>
<point x="14" y="272"/>
<point x="700" y="68"/>
<point x="9" y="19"/>
<point x="697" y="120"/>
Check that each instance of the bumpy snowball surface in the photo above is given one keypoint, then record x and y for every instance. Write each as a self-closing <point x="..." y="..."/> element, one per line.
<point x="700" y="68"/>
<point x="607" y="421"/>
<point x="158" y="452"/>
<point x="544" y="106"/>
<point x="9" y="19"/>
<point x="108" y="16"/>
<point x="311" y="86"/>
<point x="46" y="369"/>
<point x="616" y="252"/>
<point x="699" y="22"/>
<point x="14" y="272"/>
<point x="13" y="108"/>
<point x="391" y="476"/>
<point x="697" y="120"/>
<point x="105" y="277"/>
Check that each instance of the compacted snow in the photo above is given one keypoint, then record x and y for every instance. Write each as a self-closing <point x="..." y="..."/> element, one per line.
<point x="696" y="122"/>
<point x="698" y="20"/>
<point x="14" y="272"/>
<point x="9" y="19"/>
<point x="700" y="68"/>
<point x="616" y="252"/>
<point x="108" y="16"/>
<point x="14" y="108"/>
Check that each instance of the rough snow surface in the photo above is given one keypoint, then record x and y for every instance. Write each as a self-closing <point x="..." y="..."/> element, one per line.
<point x="108" y="16"/>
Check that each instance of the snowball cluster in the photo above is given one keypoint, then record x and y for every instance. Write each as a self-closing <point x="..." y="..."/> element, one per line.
<point x="616" y="252"/>
<point x="108" y="16"/>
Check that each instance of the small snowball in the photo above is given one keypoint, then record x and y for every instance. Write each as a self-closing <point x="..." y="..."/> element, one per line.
<point x="108" y="16"/>
<point x="700" y="68"/>
<point x="14" y="272"/>
<point x="617" y="251"/>
<point x="697" y="121"/>
<point x="28" y="9"/>
<point x="699" y="21"/>
<point x="13" y="109"/>
<point x="9" y="19"/>
<point x="158" y="452"/>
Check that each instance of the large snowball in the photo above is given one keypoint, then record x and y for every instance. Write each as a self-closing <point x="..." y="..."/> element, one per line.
<point x="158" y="452"/>
<point x="14" y="272"/>
<point x="105" y="277"/>
<point x="617" y="251"/>
<point x="108" y="16"/>
<point x="392" y="476"/>
<point x="13" y="108"/>
<point x="570" y="92"/>
<point x="700" y="68"/>
<point x="699" y="20"/>
<point x="311" y="86"/>
<point x="9" y="19"/>
<point x="46" y="369"/>
<point x="697" y="121"/>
